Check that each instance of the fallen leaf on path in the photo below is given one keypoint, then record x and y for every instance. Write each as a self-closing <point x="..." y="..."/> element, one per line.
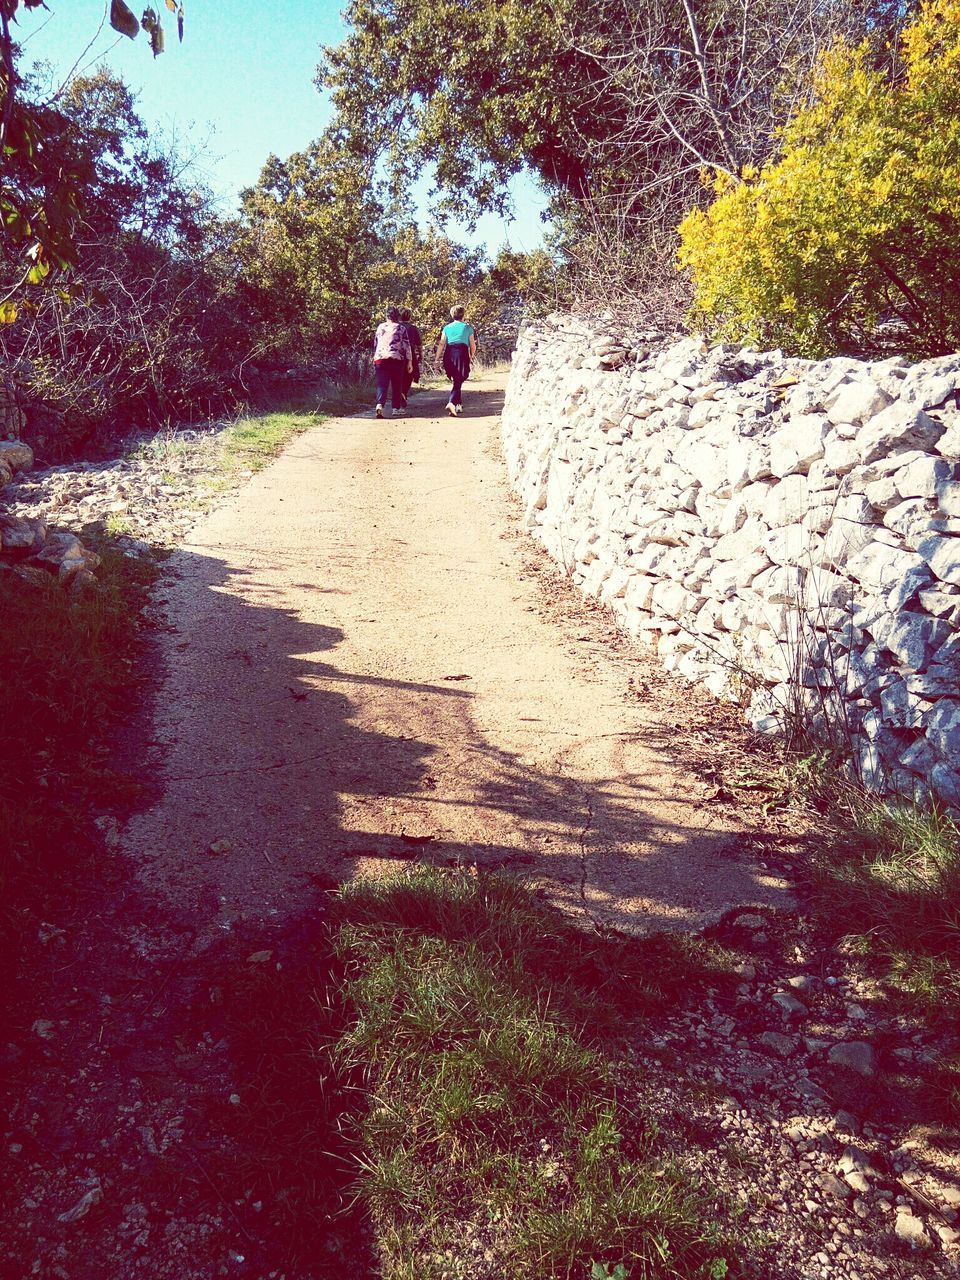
<point x="83" y="1205"/>
<point x="460" y="677"/>
<point x="221" y="846"/>
<point x="416" y="839"/>
<point x="259" y="957"/>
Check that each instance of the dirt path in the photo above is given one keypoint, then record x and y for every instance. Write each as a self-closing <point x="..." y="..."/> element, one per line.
<point x="358" y="672"/>
<point x="366" y="661"/>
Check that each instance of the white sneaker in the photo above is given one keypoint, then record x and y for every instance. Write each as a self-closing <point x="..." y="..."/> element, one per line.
<point x="459" y="408"/>
<point x="379" y="410"/>
<point x="399" y="413"/>
<point x="452" y="410"/>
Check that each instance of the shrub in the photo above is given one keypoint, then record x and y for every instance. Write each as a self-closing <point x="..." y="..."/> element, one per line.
<point x="853" y="230"/>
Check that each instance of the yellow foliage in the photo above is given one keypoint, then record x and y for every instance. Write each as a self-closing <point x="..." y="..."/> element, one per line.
<point x="856" y="220"/>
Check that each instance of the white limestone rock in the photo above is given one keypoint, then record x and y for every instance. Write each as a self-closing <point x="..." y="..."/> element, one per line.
<point x="942" y="554"/>
<point x="743" y="543"/>
<point x="943" y="728"/>
<point x="790" y="544"/>
<point x="780" y="584"/>
<point x="730" y="577"/>
<point x="932" y="383"/>
<point x="924" y="477"/>
<point x="798" y="445"/>
<point x="15" y="455"/>
<point x="949" y="443"/>
<point x="841" y="455"/>
<point x="896" y="427"/>
<point x="787" y="502"/>
<point x="948" y="499"/>
<point x="824" y="590"/>
<point x="913" y="639"/>
<point x="747" y="462"/>
<point x="856" y="402"/>
<point x="882" y="493"/>
<point x="879" y="566"/>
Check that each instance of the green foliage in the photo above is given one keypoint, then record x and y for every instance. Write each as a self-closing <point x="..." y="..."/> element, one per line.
<point x="478" y="90"/>
<point x="856" y="221"/>
<point x="45" y="175"/>
<point x="320" y="259"/>
<point x="605" y="1271"/>
<point x="149" y="328"/>
<point x="481" y="1023"/>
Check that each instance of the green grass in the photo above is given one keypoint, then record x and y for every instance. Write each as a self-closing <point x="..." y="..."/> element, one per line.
<point x="496" y="1140"/>
<point x="71" y="676"/>
<point x="891" y="874"/>
<point x="252" y="442"/>
<point x="885" y="878"/>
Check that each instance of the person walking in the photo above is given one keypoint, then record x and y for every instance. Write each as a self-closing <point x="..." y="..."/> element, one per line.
<point x="393" y="360"/>
<point x="416" y="349"/>
<point x="456" y="348"/>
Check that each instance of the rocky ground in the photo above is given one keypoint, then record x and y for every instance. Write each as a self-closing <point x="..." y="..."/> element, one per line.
<point x="149" y="496"/>
<point x="812" y="1109"/>
<point x="798" y="1090"/>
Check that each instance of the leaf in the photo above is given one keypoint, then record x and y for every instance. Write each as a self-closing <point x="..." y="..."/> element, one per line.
<point x="172" y="5"/>
<point x="156" y="40"/>
<point x="39" y="271"/>
<point x="180" y="23"/>
<point x="8" y="312"/>
<point x="122" y="19"/>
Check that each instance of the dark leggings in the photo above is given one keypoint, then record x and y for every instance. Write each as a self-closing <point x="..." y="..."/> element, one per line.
<point x="456" y="365"/>
<point x="391" y="376"/>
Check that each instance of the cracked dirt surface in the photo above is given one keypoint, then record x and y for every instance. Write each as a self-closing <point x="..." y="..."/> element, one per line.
<point x="359" y="670"/>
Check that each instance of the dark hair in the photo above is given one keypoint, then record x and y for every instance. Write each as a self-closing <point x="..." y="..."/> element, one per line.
<point x="456" y="313"/>
<point x="405" y="314"/>
<point x="393" y="314"/>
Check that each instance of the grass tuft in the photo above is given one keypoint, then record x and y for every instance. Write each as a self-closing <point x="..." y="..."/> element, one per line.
<point x="496" y="1141"/>
<point x="886" y="873"/>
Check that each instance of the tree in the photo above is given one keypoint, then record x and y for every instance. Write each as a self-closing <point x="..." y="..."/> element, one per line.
<point x="311" y="231"/>
<point x="855" y="222"/>
<point x="44" y="176"/>
<point x="478" y="90"/>
<point x="607" y="101"/>
<point x="151" y="326"/>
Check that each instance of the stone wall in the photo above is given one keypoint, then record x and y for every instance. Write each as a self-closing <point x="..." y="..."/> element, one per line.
<point x="784" y="532"/>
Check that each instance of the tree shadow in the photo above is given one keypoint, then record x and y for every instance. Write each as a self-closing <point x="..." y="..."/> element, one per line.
<point x="285" y="768"/>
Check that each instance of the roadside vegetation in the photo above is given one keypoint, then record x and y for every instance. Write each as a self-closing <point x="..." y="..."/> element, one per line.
<point x="465" y="1108"/>
<point x="72" y="677"/>
<point x="881" y="875"/>
<point x="886" y="875"/>
<point x="495" y="1139"/>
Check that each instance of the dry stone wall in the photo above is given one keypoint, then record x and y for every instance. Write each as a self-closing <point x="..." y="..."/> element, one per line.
<point x="785" y="532"/>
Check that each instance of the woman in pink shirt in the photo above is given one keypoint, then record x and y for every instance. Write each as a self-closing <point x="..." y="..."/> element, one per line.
<point x="393" y="360"/>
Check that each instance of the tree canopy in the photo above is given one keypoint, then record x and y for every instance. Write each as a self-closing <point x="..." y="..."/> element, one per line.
<point x="602" y="99"/>
<point x="850" y="236"/>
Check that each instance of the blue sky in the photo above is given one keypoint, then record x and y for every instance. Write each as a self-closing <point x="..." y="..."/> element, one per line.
<point x="239" y="88"/>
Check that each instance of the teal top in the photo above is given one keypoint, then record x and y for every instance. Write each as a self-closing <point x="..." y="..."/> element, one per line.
<point x="458" y="331"/>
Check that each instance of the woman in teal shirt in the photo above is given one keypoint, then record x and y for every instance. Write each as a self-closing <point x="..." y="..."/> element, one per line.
<point x="457" y="347"/>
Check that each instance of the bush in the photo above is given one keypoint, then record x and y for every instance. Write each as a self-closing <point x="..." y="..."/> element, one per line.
<point x="852" y="234"/>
